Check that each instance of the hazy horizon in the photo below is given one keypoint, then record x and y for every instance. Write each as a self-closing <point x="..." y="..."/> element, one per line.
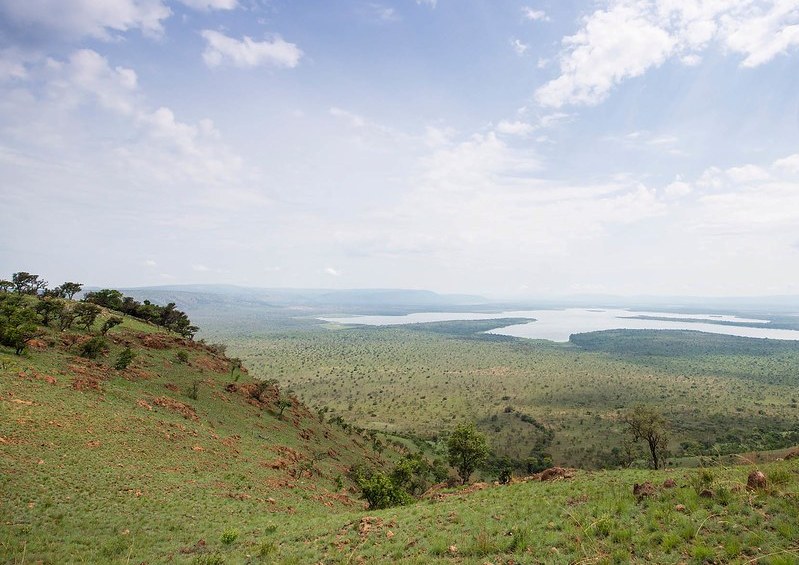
<point x="513" y="150"/>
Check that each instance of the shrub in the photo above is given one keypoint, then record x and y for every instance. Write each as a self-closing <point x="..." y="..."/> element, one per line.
<point x="380" y="491"/>
<point x="124" y="359"/>
<point x="182" y="356"/>
<point x="93" y="348"/>
<point x="229" y="536"/>
<point x="193" y="391"/>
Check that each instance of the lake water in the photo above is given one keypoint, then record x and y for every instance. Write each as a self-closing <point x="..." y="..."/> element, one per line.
<point x="558" y="325"/>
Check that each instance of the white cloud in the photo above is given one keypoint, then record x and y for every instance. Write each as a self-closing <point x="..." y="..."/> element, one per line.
<point x="691" y="60"/>
<point x="534" y="15"/>
<point x="431" y="3"/>
<point x="514" y="128"/>
<point x="247" y="53"/>
<point x="88" y="73"/>
<point x="150" y="263"/>
<point x="628" y="37"/>
<point x="207" y="5"/>
<point x="518" y="46"/>
<point x="790" y="163"/>
<point x="81" y="18"/>
<point x="332" y="272"/>
<point x="761" y="31"/>
<point x="200" y="268"/>
<point x="151" y="141"/>
<point x="750" y="199"/>
<point x="677" y="189"/>
<point x="612" y="45"/>
<point x="747" y="174"/>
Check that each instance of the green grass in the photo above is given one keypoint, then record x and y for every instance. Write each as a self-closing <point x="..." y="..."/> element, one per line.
<point x="99" y="464"/>
<point x="591" y="518"/>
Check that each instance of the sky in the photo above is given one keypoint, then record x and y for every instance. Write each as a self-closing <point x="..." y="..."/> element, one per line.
<point x="505" y="148"/>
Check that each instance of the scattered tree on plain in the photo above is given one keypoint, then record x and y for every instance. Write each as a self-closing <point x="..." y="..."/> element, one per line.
<point x="648" y="424"/>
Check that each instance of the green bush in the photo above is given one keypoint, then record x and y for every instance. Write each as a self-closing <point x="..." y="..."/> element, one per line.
<point x="229" y="536"/>
<point x="124" y="359"/>
<point x="380" y="491"/>
<point x="93" y="348"/>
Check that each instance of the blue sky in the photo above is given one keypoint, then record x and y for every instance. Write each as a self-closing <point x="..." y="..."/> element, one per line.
<point x="505" y="148"/>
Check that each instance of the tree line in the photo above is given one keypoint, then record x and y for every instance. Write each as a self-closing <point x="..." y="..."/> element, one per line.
<point x="167" y="316"/>
<point x="26" y="302"/>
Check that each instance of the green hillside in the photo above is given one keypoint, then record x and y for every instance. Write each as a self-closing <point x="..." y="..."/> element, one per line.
<point x="100" y="464"/>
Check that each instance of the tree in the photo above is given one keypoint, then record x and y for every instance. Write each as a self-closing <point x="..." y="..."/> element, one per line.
<point x="283" y="403"/>
<point x="86" y="314"/>
<point x="26" y="283"/>
<point x="648" y="424"/>
<point x="17" y="326"/>
<point x="107" y="297"/>
<point x="6" y="286"/>
<point x="467" y="449"/>
<point x="111" y="322"/>
<point x="66" y="317"/>
<point x="70" y="289"/>
<point x="49" y="309"/>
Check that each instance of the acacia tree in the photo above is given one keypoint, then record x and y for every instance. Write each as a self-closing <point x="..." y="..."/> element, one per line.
<point x="111" y="322"/>
<point x="648" y="424"/>
<point x="26" y="283"/>
<point x="86" y="314"/>
<point x="18" y="323"/>
<point x="70" y="289"/>
<point x="49" y="309"/>
<point x="466" y="449"/>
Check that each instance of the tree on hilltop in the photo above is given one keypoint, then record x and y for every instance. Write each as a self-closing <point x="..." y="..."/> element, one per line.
<point x="69" y="289"/>
<point x="26" y="283"/>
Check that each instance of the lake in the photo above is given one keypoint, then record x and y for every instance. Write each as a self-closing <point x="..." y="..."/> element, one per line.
<point x="558" y="325"/>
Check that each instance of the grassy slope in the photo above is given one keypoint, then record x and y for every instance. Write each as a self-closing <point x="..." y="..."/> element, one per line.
<point x="592" y="518"/>
<point x="92" y="468"/>
<point x="423" y="378"/>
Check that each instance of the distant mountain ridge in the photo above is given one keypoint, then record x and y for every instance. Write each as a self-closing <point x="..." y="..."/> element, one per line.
<point x="320" y="297"/>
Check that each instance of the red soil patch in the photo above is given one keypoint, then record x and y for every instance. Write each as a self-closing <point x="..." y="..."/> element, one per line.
<point x="87" y="383"/>
<point x="214" y="364"/>
<point x="158" y="341"/>
<point x="32" y="375"/>
<point x="36" y="344"/>
<point x="171" y="404"/>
